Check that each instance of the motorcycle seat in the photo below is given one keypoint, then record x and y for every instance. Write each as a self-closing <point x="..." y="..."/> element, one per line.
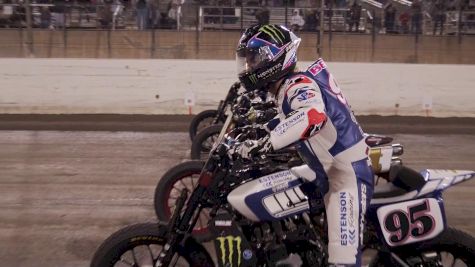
<point x="402" y="181"/>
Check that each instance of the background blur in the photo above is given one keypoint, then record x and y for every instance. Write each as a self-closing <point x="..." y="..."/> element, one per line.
<point x="428" y="31"/>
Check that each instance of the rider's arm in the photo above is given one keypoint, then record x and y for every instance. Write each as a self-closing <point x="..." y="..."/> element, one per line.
<point x="305" y="114"/>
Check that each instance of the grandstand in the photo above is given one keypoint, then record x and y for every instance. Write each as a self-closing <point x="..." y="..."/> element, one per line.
<point x="196" y="30"/>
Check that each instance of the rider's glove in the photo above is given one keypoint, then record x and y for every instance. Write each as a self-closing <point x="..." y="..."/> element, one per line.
<point x="249" y="148"/>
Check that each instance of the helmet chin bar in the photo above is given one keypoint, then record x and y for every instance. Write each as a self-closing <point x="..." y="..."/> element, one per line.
<point x="262" y="77"/>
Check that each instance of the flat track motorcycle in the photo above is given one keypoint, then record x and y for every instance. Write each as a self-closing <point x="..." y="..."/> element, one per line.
<point x="186" y="174"/>
<point x="246" y="108"/>
<point x="263" y="214"/>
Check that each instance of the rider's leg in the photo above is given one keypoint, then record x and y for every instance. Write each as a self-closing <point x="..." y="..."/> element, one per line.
<point x="346" y="202"/>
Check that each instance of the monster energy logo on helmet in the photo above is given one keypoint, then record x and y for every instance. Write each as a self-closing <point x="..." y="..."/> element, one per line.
<point x="230" y="240"/>
<point x="273" y="32"/>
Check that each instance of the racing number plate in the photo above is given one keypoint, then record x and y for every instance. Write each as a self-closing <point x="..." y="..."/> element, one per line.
<point x="411" y="221"/>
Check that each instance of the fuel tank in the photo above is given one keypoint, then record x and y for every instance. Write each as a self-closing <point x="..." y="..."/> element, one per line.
<point x="271" y="197"/>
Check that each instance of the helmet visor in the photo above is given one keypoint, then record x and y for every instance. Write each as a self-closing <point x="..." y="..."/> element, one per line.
<point x="250" y="59"/>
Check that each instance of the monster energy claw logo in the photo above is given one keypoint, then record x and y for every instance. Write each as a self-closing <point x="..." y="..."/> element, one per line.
<point x="273" y="32"/>
<point x="253" y="78"/>
<point x="230" y="240"/>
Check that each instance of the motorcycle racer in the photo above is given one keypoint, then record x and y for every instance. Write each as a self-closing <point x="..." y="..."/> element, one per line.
<point x="315" y="116"/>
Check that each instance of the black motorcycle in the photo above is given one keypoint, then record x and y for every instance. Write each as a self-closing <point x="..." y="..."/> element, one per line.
<point x="285" y="219"/>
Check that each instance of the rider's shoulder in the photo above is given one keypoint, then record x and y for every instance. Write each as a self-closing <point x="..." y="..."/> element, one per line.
<point x="316" y="67"/>
<point x="299" y="79"/>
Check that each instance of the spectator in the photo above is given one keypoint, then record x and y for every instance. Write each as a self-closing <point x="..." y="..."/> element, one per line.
<point x="340" y="3"/>
<point x="355" y="15"/>
<point x="416" y="17"/>
<point x="105" y="16"/>
<point x="311" y="20"/>
<point x="142" y="13"/>
<point x="116" y="8"/>
<point x="390" y="18"/>
<point x="404" y="21"/>
<point x="174" y="14"/>
<point x="154" y="15"/>
<point x="18" y="17"/>
<point x="439" y="16"/>
<point x="262" y="16"/>
<point x="45" y="17"/>
<point x="296" y="21"/>
<point x="375" y="20"/>
<point x="6" y="19"/>
<point x="57" y="15"/>
<point x="277" y="3"/>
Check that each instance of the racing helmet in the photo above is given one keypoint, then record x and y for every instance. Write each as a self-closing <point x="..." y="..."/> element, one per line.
<point x="265" y="54"/>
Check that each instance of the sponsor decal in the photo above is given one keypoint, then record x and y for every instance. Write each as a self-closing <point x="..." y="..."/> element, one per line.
<point x="362" y="211"/>
<point x="347" y="232"/>
<point x="229" y="242"/>
<point x="343" y="216"/>
<point x="223" y="223"/>
<point x="305" y="94"/>
<point x="280" y="187"/>
<point x="253" y="78"/>
<point x="285" y="125"/>
<point x="275" y="179"/>
<point x="270" y="71"/>
<point x="352" y="224"/>
<point x="351" y="219"/>
<point x="317" y="67"/>
<point x="291" y="114"/>
<point x="273" y="32"/>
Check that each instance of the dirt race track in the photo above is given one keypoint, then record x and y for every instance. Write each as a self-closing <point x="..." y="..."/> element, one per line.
<point x="63" y="192"/>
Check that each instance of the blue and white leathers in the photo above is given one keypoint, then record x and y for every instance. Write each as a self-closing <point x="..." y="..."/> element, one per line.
<point x="315" y="116"/>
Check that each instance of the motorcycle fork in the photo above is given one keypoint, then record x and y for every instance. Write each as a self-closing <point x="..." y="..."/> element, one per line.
<point x="221" y="110"/>
<point x="232" y="94"/>
<point x="179" y="225"/>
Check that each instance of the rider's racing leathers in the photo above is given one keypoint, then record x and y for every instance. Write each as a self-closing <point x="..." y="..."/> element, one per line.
<point x="315" y="116"/>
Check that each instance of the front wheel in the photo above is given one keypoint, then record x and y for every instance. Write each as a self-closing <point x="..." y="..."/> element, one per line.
<point x="140" y="244"/>
<point x="204" y="141"/>
<point x="451" y="248"/>
<point x="182" y="176"/>
<point x="201" y="121"/>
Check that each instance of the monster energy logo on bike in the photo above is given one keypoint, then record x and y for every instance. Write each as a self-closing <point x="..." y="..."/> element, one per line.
<point x="253" y="78"/>
<point x="273" y="32"/>
<point x="230" y="241"/>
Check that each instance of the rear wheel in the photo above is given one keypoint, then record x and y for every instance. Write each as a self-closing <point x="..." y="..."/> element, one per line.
<point x="204" y="141"/>
<point x="139" y="245"/>
<point x="201" y="121"/>
<point x="183" y="176"/>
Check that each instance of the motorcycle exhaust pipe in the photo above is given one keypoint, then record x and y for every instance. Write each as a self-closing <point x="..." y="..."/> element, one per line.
<point x="396" y="161"/>
<point x="398" y="149"/>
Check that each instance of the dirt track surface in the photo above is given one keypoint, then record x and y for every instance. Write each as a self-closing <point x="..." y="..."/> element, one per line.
<point x="180" y="123"/>
<point x="63" y="192"/>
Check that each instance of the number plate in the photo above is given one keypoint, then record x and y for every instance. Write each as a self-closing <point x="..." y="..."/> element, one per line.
<point x="411" y="221"/>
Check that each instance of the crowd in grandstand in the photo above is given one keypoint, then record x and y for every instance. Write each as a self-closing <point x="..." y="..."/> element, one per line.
<point x="386" y="16"/>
